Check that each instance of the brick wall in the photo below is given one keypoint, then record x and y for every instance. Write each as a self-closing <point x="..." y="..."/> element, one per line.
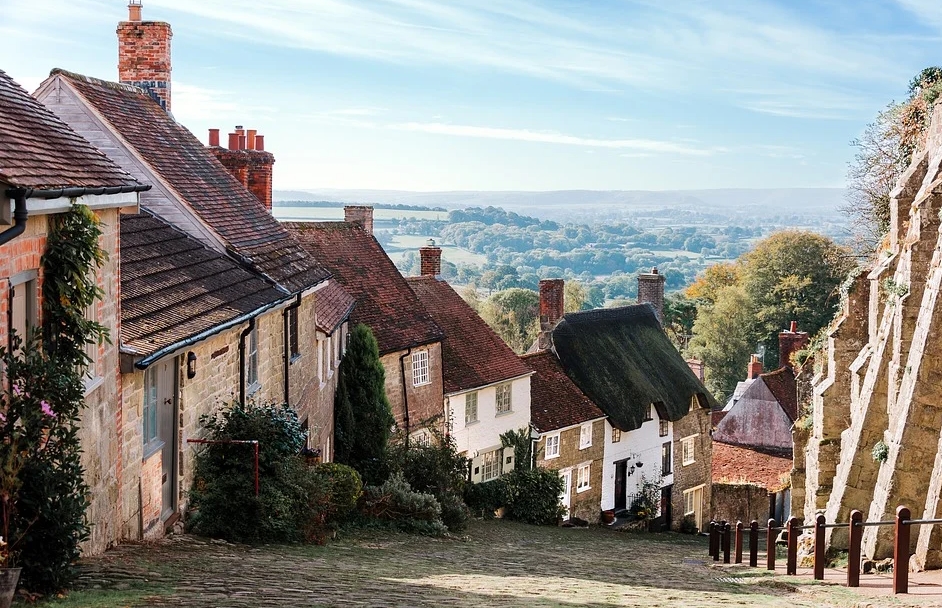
<point x="19" y="255"/>
<point x="686" y="477"/>
<point x="426" y="403"/>
<point x="144" y="57"/>
<point x="252" y="168"/>
<point x="586" y="504"/>
<point x="651" y="291"/>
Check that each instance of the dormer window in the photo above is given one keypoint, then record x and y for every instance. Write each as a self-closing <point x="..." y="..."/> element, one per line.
<point x="649" y="414"/>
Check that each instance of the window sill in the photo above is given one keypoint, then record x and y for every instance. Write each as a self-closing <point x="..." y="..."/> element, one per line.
<point x="152" y="448"/>
<point x="581" y="490"/>
<point x="253" y="388"/>
<point x="93" y="383"/>
<point x="426" y="383"/>
<point x="294" y="358"/>
<point x="689" y="463"/>
<point x="585" y="447"/>
<point x="507" y="413"/>
<point x="471" y="422"/>
<point x="553" y="457"/>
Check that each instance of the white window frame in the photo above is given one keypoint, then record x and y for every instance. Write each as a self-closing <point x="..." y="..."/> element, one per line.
<point x="27" y="284"/>
<point x="471" y="408"/>
<point x="329" y="358"/>
<point x="420" y="368"/>
<point x="584" y="477"/>
<point x="585" y="436"/>
<point x="252" y="382"/>
<point x="688" y="446"/>
<point x="503" y="398"/>
<point x="689" y="495"/>
<point x="663" y="427"/>
<point x="492" y="464"/>
<point x="551" y="446"/>
<point x="616" y="435"/>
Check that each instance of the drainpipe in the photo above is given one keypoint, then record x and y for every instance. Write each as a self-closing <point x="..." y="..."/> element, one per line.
<point x="285" y="314"/>
<point x="242" y="337"/>
<point x="405" y="392"/>
<point x="20" y="215"/>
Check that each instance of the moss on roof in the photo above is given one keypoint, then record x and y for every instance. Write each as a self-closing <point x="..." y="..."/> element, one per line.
<point x="624" y="362"/>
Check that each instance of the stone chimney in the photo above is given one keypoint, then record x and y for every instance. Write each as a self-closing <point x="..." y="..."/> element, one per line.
<point x="247" y="161"/>
<point x="651" y="291"/>
<point x="144" y="54"/>
<point x="431" y="259"/>
<point x="755" y="368"/>
<point x="790" y="341"/>
<point x="360" y="214"/>
<point x="552" y="296"/>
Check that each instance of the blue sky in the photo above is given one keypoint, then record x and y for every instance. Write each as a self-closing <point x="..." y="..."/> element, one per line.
<point x="520" y="94"/>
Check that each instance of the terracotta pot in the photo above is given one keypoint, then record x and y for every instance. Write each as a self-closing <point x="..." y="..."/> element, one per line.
<point x="9" y="577"/>
<point x="608" y="517"/>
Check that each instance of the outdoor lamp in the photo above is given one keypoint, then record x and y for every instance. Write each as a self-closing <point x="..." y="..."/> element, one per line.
<point x="190" y="365"/>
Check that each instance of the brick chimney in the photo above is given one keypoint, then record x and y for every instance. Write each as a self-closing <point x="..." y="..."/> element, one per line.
<point x="552" y="295"/>
<point x="755" y="368"/>
<point x="247" y="161"/>
<point x="790" y="341"/>
<point x="360" y="214"/>
<point x="651" y="291"/>
<point x="431" y="259"/>
<point x="144" y="54"/>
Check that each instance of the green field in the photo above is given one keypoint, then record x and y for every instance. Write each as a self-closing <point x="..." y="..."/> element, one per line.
<point x="326" y="214"/>
<point x="403" y="243"/>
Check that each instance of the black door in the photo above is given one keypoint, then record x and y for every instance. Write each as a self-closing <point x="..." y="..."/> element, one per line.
<point x="667" y="510"/>
<point x="621" y="473"/>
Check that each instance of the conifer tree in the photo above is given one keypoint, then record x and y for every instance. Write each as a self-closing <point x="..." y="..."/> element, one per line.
<point x="363" y="419"/>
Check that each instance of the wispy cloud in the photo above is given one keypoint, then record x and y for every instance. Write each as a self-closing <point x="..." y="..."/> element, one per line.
<point x="647" y="145"/>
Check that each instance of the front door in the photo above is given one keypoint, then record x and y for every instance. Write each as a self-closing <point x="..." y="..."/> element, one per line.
<point x="667" y="512"/>
<point x="566" y="497"/>
<point x="621" y="476"/>
<point x="693" y="505"/>
<point x="167" y="433"/>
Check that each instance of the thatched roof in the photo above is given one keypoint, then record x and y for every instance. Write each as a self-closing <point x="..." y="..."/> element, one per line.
<point x="624" y="362"/>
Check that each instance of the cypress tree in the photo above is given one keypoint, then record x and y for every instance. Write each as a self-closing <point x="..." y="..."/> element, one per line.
<point x="363" y="419"/>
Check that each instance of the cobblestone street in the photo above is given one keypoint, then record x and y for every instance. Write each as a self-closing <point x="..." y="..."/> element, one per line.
<point x="495" y="564"/>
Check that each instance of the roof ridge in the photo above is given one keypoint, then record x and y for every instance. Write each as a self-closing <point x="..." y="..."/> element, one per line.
<point x="118" y="86"/>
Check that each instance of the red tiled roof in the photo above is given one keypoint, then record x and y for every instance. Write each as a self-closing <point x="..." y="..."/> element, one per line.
<point x="384" y="300"/>
<point x="38" y="150"/>
<point x="472" y="354"/>
<point x="219" y="200"/>
<point x="333" y="306"/>
<point x="173" y="287"/>
<point x="737" y="464"/>
<point x="555" y="401"/>
<point x="781" y="384"/>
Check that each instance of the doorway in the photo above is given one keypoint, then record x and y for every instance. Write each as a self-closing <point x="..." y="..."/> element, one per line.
<point x="167" y="434"/>
<point x="621" y="480"/>
<point x="566" y="497"/>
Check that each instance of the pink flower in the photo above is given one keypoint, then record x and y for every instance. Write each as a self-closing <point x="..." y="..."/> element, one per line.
<point x="17" y="390"/>
<point x="47" y="410"/>
<point x="3" y="418"/>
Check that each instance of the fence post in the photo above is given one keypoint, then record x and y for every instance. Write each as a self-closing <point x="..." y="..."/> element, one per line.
<point x="819" y="547"/>
<point x="738" y="559"/>
<point x="901" y="551"/>
<point x="754" y="544"/>
<point x="725" y="542"/>
<point x="770" y="545"/>
<point x="791" y="561"/>
<point x="855" y="536"/>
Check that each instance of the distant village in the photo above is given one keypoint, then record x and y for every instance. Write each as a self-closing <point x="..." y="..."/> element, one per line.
<point x="208" y="299"/>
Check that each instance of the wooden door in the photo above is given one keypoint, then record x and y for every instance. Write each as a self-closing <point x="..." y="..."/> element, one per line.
<point x="621" y="478"/>
<point x="566" y="497"/>
<point x="167" y="433"/>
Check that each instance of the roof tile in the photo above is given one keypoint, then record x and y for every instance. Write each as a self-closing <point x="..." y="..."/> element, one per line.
<point x="738" y="464"/>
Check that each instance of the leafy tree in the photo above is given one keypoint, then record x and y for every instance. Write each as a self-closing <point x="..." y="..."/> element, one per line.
<point x="680" y="312"/>
<point x="723" y="339"/>
<point x="363" y="419"/>
<point x="713" y="279"/>
<point x="514" y="315"/>
<point x="575" y="296"/>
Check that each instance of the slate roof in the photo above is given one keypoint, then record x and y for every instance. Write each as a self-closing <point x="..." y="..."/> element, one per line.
<point x="334" y="305"/>
<point x="555" y="401"/>
<point x="782" y="385"/>
<point x="472" y="354"/>
<point x="38" y="150"/>
<point x="173" y="287"/>
<point x="385" y="302"/>
<point x="220" y="201"/>
<point x="738" y="464"/>
<point x="624" y="362"/>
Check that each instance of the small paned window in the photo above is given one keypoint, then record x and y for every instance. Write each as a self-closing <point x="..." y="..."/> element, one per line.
<point x="616" y="435"/>
<point x="687" y="447"/>
<point x="420" y="373"/>
<point x="471" y="407"/>
<point x="582" y="479"/>
<point x="663" y="428"/>
<point x="251" y="360"/>
<point x="150" y="405"/>
<point x="491" y="465"/>
<point x="585" y="436"/>
<point x="503" y="398"/>
<point x="552" y="446"/>
<point x="666" y="458"/>
<point x="293" y="344"/>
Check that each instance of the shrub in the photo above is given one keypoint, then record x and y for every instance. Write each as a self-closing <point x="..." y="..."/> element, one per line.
<point x="435" y="469"/>
<point x="395" y="503"/>
<point x="485" y="498"/>
<point x="223" y="497"/>
<point x="533" y="495"/>
<point x="342" y="488"/>
<point x="688" y="525"/>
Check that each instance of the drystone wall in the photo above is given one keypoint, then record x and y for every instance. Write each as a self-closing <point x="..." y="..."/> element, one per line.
<point x="882" y="380"/>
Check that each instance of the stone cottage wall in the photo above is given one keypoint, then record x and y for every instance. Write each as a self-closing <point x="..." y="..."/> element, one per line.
<point x="586" y="504"/>
<point x="699" y="472"/>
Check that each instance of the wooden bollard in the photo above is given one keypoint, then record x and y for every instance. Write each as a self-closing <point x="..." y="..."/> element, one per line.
<point x="854" y="536"/>
<point x="791" y="560"/>
<point x="901" y="551"/>
<point x="715" y="541"/>
<point x="754" y="544"/>
<point x="738" y="546"/>
<point x="770" y="545"/>
<point x="819" y="547"/>
<point x="726" y="528"/>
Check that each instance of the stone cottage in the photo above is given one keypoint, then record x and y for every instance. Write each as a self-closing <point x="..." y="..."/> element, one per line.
<point x="45" y="168"/>
<point x="487" y="387"/>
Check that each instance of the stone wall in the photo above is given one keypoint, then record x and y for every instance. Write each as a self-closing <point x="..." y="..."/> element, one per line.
<point x="426" y="403"/>
<point x="700" y="472"/>
<point x="739" y="502"/>
<point x="587" y="503"/>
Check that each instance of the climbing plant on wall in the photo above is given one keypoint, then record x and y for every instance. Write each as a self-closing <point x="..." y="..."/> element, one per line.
<point x="49" y="506"/>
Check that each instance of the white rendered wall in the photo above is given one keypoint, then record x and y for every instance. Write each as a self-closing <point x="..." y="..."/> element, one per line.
<point x="640" y="445"/>
<point x="484" y="435"/>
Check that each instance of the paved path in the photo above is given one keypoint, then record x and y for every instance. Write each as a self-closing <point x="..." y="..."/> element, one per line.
<point x="498" y="564"/>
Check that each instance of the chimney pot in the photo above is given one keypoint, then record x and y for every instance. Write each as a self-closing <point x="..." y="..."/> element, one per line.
<point x="233" y="141"/>
<point x="794" y="327"/>
<point x="250" y="141"/>
<point x="790" y="341"/>
<point x="360" y="215"/>
<point x="134" y="10"/>
<point x="755" y="368"/>
<point x="214" y="137"/>
<point x="260" y="143"/>
<point x="241" y="142"/>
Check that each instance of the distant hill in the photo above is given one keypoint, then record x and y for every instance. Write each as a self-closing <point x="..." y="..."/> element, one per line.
<point x="777" y="201"/>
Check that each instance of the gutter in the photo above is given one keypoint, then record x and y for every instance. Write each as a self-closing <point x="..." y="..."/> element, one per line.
<point x="285" y="316"/>
<point x="405" y="392"/>
<point x="19" y="196"/>
<point x="242" y="337"/>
